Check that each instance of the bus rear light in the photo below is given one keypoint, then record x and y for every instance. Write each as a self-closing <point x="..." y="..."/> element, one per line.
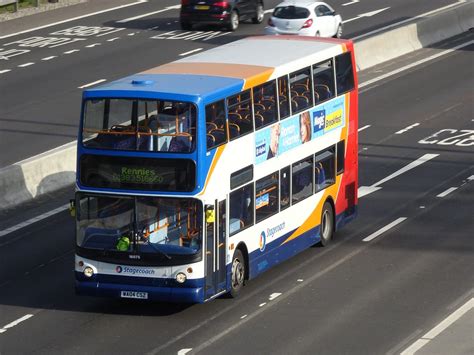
<point x="308" y="23"/>
<point x="88" y="272"/>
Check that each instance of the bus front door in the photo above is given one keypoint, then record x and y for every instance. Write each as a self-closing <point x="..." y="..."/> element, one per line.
<point x="215" y="249"/>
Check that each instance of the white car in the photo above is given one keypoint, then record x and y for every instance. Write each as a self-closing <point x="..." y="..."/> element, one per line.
<point x="305" y="17"/>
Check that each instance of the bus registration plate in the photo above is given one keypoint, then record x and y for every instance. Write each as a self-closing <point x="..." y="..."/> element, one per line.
<point x="134" y="294"/>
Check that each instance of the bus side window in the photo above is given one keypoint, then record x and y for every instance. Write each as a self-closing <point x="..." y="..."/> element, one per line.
<point x="266" y="196"/>
<point x="340" y="151"/>
<point x="302" y="180"/>
<point x="285" y="188"/>
<point x="241" y="209"/>
<point x="283" y="97"/>
<point x="265" y="111"/>
<point x="323" y="80"/>
<point x="216" y="130"/>
<point x="240" y="113"/>
<point x="344" y="73"/>
<point x="301" y="90"/>
<point x="324" y="169"/>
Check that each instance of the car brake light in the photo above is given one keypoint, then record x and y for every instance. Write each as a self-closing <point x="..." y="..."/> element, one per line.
<point x="270" y="22"/>
<point x="221" y="4"/>
<point x="308" y="23"/>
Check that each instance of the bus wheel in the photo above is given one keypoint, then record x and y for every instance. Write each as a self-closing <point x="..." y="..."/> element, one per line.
<point x="327" y="224"/>
<point x="238" y="273"/>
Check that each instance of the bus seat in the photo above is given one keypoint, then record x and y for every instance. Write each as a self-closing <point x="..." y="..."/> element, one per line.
<point x="259" y="120"/>
<point x="234" y="130"/>
<point x="219" y="135"/>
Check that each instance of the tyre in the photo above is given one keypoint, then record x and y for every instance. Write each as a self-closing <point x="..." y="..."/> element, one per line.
<point x="259" y="14"/>
<point x="326" y="229"/>
<point x="233" y="21"/>
<point x="339" y="31"/>
<point x="186" y="26"/>
<point x="238" y="273"/>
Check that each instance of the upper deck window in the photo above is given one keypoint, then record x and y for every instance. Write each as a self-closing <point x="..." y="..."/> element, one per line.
<point x="143" y="125"/>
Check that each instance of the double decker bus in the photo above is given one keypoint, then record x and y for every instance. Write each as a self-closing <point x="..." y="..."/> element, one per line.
<point x="199" y="174"/>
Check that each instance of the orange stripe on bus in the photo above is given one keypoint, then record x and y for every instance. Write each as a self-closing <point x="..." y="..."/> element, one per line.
<point x="216" y="158"/>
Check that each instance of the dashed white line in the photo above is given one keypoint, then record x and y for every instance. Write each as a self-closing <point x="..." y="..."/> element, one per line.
<point x="384" y="229"/>
<point x="91" y="84"/>
<point x="193" y="51"/>
<point x="131" y="34"/>
<point x="407" y="128"/>
<point x="300" y="280"/>
<point x="14" y="323"/>
<point x="49" y="58"/>
<point x="5" y="71"/>
<point x="262" y="304"/>
<point x="362" y="128"/>
<point x="269" y="11"/>
<point x="184" y="351"/>
<point x="110" y="32"/>
<point x="93" y="45"/>
<point x="351" y="3"/>
<point x="433" y="333"/>
<point x="470" y="178"/>
<point x="25" y="65"/>
<point x="273" y="296"/>
<point x="113" y="39"/>
<point x="149" y="14"/>
<point x="33" y="220"/>
<point x="447" y="192"/>
<point x="72" y="51"/>
<point x="245" y="315"/>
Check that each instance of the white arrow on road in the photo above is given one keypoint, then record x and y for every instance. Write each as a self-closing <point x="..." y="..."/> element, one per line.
<point x="367" y="14"/>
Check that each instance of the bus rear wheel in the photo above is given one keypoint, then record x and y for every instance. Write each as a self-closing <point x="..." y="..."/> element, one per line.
<point x="238" y="273"/>
<point x="326" y="229"/>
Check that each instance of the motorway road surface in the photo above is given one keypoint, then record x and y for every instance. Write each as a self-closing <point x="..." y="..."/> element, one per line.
<point x="42" y="72"/>
<point x="375" y="296"/>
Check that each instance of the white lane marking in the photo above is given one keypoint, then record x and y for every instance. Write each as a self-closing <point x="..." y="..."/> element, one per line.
<point x="273" y="296"/>
<point x="470" y="178"/>
<point x="412" y="165"/>
<point x="72" y="51"/>
<point x="110" y="32"/>
<point x="268" y="11"/>
<point x="262" y="304"/>
<point x="397" y="24"/>
<point x="351" y="3"/>
<point x="93" y="45"/>
<point x="49" y="58"/>
<point x="447" y="192"/>
<point x="407" y="128"/>
<point x="193" y="51"/>
<point x="25" y="65"/>
<point x="91" y="84"/>
<point x="362" y="128"/>
<point x="33" y="220"/>
<point x="366" y="14"/>
<point x="433" y="333"/>
<point x="113" y="39"/>
<point x="245" y="315"/>
<point x="414" y="64"/>
<point x="300" y="280"/>
<point x="184" y="351"/>
<point x="384" y="229"/>
<point x="14" y="323"/>
<point x="5" y="71"/>
<point x="149" y="14"/>
<point x="74" y="18"/>
<point x="366" y="190"/>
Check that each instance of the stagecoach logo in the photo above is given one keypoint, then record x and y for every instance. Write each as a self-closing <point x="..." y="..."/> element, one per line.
<point x="262" y="241"/>
<point x="133" y="270"/>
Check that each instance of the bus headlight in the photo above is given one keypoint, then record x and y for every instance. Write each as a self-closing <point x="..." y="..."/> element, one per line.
<point x="180" y="277"/>
<point x="88" y="272"/>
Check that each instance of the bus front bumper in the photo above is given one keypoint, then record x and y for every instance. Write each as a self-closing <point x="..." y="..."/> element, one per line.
<point x="160" y="294"/>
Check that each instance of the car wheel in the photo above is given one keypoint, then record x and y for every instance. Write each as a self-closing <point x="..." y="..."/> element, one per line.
<point x="186" y="26"/>
<point x="234" y="21"/>
<point x="326" y="228"/>
<point x="259" y="14"/>
<point x="339" y="31"/>
<point x="238" y="273"/>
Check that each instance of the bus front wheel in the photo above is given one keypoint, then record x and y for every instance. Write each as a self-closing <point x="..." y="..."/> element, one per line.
<point x="326" y="230"/>
<point x="238" y="273"/>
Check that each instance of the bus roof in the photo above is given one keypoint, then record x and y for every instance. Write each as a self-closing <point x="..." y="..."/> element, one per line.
<point x="225" y="69"/>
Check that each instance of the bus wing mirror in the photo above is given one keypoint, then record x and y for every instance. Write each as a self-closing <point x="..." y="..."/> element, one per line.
<point x="72" y="208"/>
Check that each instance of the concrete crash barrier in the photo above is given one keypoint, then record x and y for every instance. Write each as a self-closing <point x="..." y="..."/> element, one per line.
<point x="44" y="173"/>
<point x="425" y="32"/>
